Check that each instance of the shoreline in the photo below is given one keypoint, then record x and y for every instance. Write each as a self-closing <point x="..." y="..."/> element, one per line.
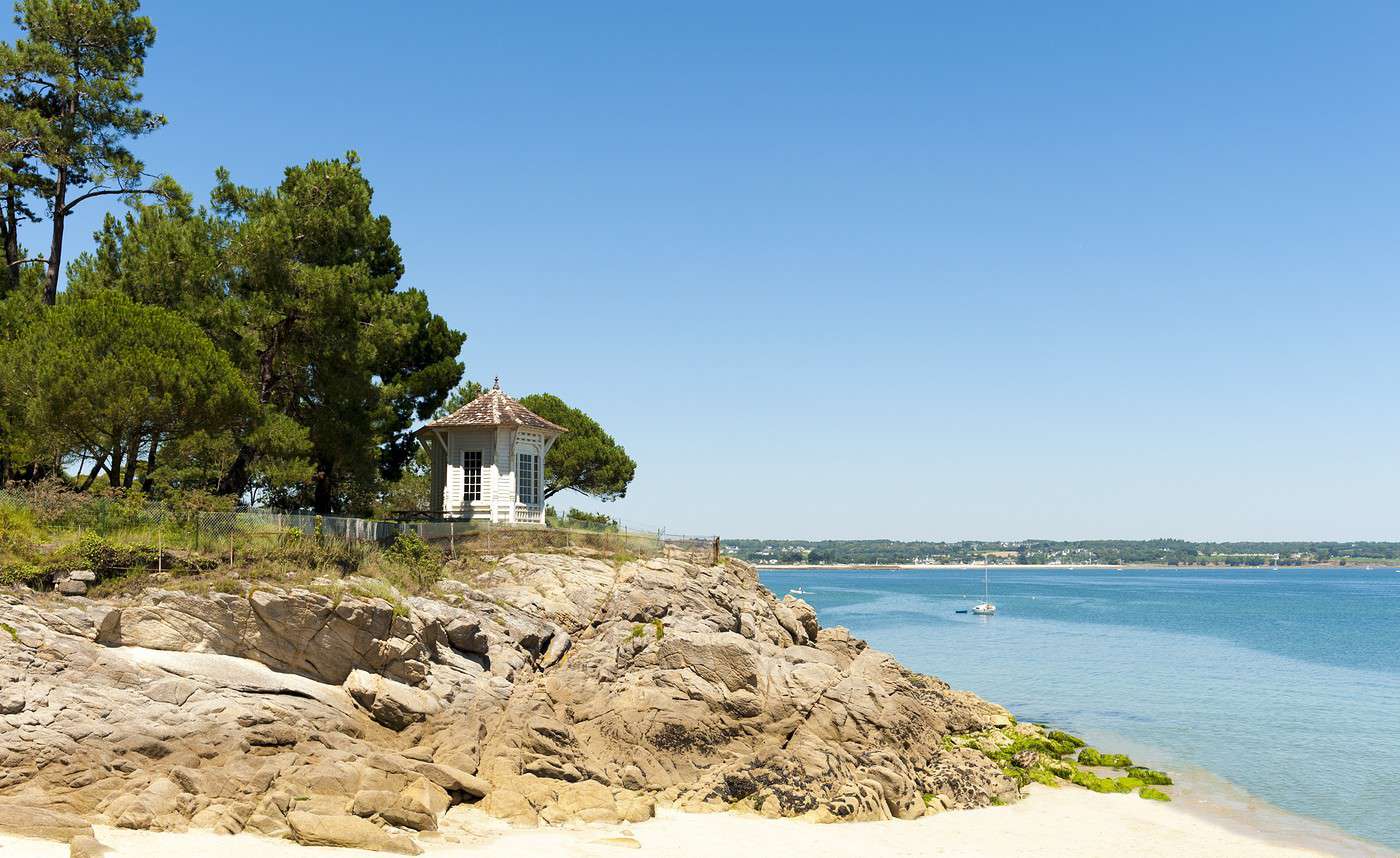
<point x="875" y="567"/>
<point x="1064" y="821"/>
<point x="1200" y="792"/>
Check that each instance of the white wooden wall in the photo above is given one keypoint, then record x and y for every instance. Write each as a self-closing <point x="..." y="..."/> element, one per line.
<point x="499" y="448"/>
<point x="460" y="441"/>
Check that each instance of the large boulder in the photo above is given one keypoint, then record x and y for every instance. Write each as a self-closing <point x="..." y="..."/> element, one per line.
<point x="42" y="822"/>
<point x="418" y="806"/>
<point x="291" y="630"/>
<point x="346" y="831"/>
<point x="391" y="703"/>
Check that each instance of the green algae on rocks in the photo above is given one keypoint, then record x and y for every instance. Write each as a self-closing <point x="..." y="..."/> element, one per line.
<point x="1032" y="753"/>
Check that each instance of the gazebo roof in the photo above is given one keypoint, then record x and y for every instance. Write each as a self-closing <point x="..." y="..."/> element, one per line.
<point x="494" y="408"/>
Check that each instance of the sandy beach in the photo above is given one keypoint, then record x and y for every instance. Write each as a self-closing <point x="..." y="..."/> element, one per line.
<point x="1049" y="822"/>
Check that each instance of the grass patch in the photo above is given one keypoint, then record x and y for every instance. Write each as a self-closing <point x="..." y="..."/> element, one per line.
<point x="373" y="589"/>
<point x="123" y="584"/>
<point x="11" y="631"/>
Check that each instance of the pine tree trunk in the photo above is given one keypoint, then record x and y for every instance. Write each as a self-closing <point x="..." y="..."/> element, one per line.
<point x="10" y="228"/>
<point x="133" y="455"/>
<point x="52" y="268"/>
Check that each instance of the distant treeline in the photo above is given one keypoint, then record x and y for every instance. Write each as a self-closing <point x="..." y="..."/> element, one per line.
<point x="1168" y="552"/>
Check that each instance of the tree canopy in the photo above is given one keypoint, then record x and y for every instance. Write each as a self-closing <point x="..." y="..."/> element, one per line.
<point x="69" y="100"/>
<point x="585" y="459"/>
<point x="262" y="346"/>
<point x="298" y="284"/>
<point x="110" y="380"/>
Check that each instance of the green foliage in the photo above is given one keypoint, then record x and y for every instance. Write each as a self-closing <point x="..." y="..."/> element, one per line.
<point x="410" y="548"/>
<point x="104" y="378"/>
<point x="27" y="574"/>
<point x="1153" y="794"/>
<point x="585" y="459"/>
<point x="18" y="529"/>
<point x="577" y="519"/>
<point x="658" y="629"/>
<point x="334" y="344"/>
<point x="414" y="566"/>
<point x="374" y="589"/>
<point x="70" y="102"/>
<point x="106" y="557"/>
<point x="637" y="631"/>
<point x="11" y="631"/>
<point x="463" y="395"/>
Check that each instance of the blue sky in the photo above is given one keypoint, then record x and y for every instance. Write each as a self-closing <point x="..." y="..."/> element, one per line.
<point x="917" y="271"/>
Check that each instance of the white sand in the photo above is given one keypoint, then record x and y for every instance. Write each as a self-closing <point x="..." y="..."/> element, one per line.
<point x="1063" y="822"/>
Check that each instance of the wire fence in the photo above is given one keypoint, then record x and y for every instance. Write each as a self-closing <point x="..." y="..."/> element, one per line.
<point x="39" y="535"/>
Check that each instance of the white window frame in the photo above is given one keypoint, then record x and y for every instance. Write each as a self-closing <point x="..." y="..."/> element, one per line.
<point x="478" y="473"/>
<point x="527" y="477"/>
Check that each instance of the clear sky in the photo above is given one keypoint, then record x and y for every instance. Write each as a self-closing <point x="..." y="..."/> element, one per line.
<point x="1059" y="270"/>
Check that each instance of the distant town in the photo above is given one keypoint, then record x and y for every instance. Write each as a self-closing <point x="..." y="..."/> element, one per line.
<point x="1155" y="552"/>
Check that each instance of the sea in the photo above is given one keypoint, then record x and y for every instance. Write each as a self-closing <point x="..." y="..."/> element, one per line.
<point x="1273" y="696"/>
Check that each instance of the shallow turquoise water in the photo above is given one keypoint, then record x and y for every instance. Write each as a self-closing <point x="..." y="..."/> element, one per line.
<point x="1286" y="684"/>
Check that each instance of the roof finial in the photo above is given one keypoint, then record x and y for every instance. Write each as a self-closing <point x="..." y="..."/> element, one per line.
<point x="497" y="385"/>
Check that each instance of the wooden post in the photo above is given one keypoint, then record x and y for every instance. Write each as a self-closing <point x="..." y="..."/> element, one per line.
<point x="714" y="553"/>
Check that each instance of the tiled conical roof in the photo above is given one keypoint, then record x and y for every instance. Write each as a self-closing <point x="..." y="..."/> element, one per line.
<point x="494" y="408"/>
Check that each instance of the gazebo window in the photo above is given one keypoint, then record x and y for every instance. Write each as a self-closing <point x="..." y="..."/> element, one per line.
<point x="528" y="479"/>
<point x="471" y="475"/>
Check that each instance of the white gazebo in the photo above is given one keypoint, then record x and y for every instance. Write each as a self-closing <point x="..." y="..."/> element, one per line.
<point x="488" y="460"/>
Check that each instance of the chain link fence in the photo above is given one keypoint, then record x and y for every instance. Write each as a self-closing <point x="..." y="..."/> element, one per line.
<point x="43" y="533"/>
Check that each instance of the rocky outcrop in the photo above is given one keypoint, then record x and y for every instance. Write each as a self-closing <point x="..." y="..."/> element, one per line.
<point x="549" y="689"/>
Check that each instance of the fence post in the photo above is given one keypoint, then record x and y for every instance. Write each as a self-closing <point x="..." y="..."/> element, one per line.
<point x="714" y="552"/>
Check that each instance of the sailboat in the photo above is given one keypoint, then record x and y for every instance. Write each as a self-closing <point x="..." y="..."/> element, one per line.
<point x="986" y="607"/>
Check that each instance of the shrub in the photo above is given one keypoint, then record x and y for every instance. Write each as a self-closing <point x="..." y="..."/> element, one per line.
<point x="413" y="565"/>
<point x="105" y="557"/>
<point x="18" y="529"/>
<point x="23" y="573"/>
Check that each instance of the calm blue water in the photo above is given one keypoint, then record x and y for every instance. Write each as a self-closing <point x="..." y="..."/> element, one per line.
<point x="1286" y="684"/>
